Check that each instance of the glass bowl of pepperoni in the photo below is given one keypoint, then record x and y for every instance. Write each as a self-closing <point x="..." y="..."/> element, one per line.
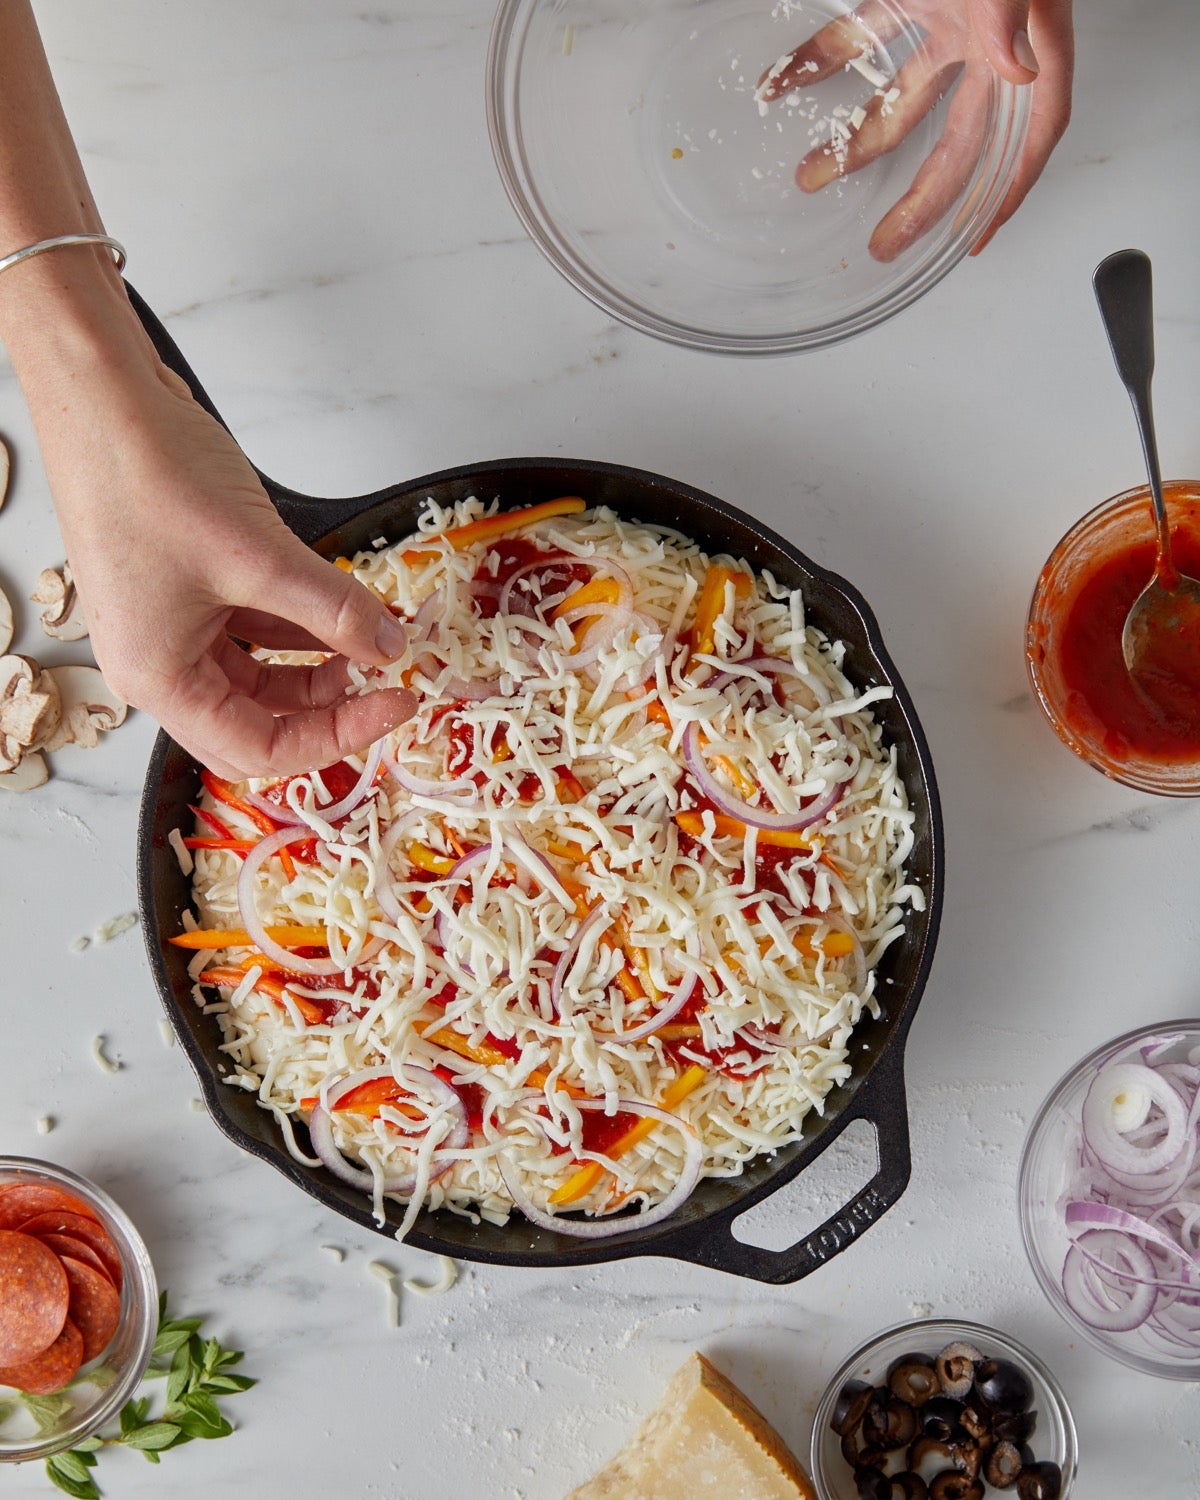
<point x="78" y="1308"/>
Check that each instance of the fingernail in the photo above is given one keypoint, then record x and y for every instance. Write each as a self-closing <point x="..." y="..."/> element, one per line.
<point x="391" y="637"/>
<point x="1022" y="50"/>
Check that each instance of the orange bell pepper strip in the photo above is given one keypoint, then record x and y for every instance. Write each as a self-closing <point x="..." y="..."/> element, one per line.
<point x="235" y="846"/>
<point x="712" y="602"/>
<point x="370" y="1097"/>
<point x="265" y="984"/>
<point x="490" y="527"/>
<point x="485" y="1053"/>
<point x="237" y="937"/>
<point x="224" y="792"/>
<point x="580" y="1183"/>
<point x="691" y="820"/>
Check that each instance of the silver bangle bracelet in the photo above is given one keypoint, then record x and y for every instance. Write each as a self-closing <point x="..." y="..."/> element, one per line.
<point x="118" y="250"/>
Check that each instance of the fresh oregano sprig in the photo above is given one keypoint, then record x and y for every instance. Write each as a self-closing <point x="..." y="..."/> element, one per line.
<point x="197" y="1371"/>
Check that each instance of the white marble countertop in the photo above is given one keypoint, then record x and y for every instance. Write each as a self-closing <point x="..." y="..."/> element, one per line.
<point x="309" y="202"/>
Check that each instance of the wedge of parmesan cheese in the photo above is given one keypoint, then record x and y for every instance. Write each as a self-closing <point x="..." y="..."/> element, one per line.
<point x="704" y="1441"/>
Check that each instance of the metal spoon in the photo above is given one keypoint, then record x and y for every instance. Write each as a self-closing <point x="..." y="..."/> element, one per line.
<point x="1170" y="602"/>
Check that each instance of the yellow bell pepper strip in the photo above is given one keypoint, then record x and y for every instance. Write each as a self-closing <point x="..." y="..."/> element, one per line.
<point x="712" y="602"/>
<point x="485" y="1053"/>
<point x="595" y="591"/>
<point x="491" y="527"/>
<point x="580" y="1183"/>
<point x="265" y="984"/>
<point x="238" y="937"/>
<point x="426" y="859"/>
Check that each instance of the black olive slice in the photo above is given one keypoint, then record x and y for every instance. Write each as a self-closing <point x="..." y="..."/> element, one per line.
<point x="975" y="1424"/>
<point x="950" y="1484"/>
<point x="955" y="1367"/>
<point x="852" y="1401"/>
<point x="861" y="1454"/>
<point x="872" y="1484"/>
<point x="926" y="1448"/>
<point x="1014" y="1426"/>
<point x="940" y="1418"/>
<point x="915" y="1358"/>
<point x="876" y="1426"/>
<point x="1003" y="1465"/>
<point x="909" y="1486"/>
<point x="1002" y="1386"/>
<point x="1039" y="1482"/>
<point x="914" y="1381"/>
<point x="901" y="1424"/>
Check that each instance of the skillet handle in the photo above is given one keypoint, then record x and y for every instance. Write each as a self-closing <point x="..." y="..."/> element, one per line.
<point x="880" y="1101"/>
<point x="306" y="515"/>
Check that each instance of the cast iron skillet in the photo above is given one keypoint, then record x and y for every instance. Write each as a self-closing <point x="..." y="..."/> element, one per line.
<point x="702" y="1230"/>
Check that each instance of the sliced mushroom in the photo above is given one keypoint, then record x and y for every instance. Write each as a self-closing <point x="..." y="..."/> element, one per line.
<point x="88" y="707"/>
<point x="5" y="470"/>
<point x="30" y="773"/>
<point x="6" y="622"/>
<point x="17" y="676"/>
<point x="62" y="619"/>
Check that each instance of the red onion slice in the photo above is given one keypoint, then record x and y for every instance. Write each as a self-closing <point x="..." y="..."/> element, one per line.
<point x="732" y="806"/>
<point x="1106" y="1216"/>
<point x="460" y="788"/>
<point x="247" y="907"/>
<point x="595" y="1229"/>
<point x="1110" y="1088"/>
<point x="358" y="791"/>
<point x="1106" y="1299"/>
<point x="320" y="1127"/>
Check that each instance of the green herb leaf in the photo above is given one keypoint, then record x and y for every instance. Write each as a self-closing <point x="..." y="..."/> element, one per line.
<point x="168" y="1340"/>
<point x="228" y="1384"/>
<point x="46" y="1411"/>
<point x="193" y="1368"/>
<point x="82" y="1489"/>
<point x="152" y="1436"/>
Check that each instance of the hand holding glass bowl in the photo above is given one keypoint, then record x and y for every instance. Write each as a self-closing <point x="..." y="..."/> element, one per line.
<point x="963" y="46"/>
<point x="632" y="144"/>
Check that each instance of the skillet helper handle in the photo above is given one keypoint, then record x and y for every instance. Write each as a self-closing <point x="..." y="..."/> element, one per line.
<point x="305" y="515"/>
<point x="882" y="1103"/>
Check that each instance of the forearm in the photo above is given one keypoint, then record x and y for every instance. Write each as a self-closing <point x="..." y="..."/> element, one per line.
<point x="64" y="314"/>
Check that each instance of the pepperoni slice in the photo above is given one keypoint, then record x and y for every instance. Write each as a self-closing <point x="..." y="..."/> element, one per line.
<point x="50" y="1370"/>
<point x="34" y="1297"/>
<point x="95" y="1306"/>
<point x="93" y="1234"/>
<point x="66" y="1244"/>
<point x="21" y="1200"/>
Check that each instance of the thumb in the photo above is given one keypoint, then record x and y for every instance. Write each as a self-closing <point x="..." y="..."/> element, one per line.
<point x="1002" y="27"/>
<point x="333" y="606"/>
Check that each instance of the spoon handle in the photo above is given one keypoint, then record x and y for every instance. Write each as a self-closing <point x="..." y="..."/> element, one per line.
<point x="1125" y="291"/>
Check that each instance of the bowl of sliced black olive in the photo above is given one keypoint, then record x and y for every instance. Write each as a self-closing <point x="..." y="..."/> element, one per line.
<point x="943" y="1410"/>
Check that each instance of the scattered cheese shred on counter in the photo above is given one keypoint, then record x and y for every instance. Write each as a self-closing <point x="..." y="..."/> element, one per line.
<point x="335" y="1251"/>
<point x="447" y="1276"/>
<point x="538" y="923"/>
<point x="388" y="1275"/>
<point x="114" y="927"/>
<point x="105" y="1063"/>
<point x="45" y="1124"/>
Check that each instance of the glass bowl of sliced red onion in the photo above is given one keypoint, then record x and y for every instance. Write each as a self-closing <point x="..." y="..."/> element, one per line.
<point x="1109" y="1196"/>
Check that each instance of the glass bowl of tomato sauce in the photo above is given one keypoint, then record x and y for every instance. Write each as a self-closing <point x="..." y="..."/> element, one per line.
<point x="1073" y="643"/>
